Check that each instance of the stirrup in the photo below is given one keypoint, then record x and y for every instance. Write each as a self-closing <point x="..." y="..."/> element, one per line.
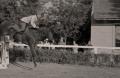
<point x="34" y="28"/>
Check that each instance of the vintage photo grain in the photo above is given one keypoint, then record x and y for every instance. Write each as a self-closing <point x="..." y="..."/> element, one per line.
<point x="59" y="38"/>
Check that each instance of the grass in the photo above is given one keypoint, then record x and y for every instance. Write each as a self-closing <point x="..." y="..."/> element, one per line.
<point x="52" y="70"/>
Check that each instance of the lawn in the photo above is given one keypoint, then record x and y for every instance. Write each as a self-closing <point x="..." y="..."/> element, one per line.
<point x="53" y="70"/>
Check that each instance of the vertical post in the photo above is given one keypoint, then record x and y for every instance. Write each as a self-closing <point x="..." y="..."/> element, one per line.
<point x="95" y="55"/>
<point x="112" y="62"/>
<point x="95" y="50"/>
<point x="75" y="49"/>
<point x="5" y="53"/>
<point x="6" y="43"/>
<point x="3" y="64"/>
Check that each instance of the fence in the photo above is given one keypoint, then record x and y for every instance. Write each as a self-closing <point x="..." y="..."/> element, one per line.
<point x="71" y="57"/>
<point x="97" y="52"/>
<point x="96" y="49"/>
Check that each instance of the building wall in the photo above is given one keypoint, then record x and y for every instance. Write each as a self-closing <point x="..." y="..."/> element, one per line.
<point x="103" y="35"/>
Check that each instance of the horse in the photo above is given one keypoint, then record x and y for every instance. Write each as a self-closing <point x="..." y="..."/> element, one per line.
<point x="31" y="37"/>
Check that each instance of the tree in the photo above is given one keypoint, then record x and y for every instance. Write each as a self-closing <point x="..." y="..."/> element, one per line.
<point x="15" y="9"/>
<point x="74" y="16"/>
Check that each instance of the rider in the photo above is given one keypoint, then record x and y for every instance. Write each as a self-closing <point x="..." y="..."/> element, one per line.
<point x="34" y="20"/>
<point x="39" y="19"/>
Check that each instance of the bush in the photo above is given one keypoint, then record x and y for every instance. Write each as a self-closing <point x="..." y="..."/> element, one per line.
<point x="63" y="56"/>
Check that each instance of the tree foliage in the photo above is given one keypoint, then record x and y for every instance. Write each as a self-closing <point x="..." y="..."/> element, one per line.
<point x="13" y="10"/>
<point x="73" y="16"/>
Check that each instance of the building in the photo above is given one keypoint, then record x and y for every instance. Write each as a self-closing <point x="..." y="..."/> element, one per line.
<point x="105" y="28"/>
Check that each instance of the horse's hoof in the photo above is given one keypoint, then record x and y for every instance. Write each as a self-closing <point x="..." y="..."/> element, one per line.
<point x="35" y="65"/>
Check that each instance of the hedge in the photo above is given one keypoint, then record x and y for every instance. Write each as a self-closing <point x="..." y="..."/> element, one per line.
<point x="63" y="56"/>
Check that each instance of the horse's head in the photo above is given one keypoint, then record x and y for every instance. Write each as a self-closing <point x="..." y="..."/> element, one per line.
<point x="46" y="33"/>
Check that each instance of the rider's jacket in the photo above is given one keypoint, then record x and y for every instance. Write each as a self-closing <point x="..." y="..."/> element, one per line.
<point x="30" y="20"/>
<point x="34" y="20"/>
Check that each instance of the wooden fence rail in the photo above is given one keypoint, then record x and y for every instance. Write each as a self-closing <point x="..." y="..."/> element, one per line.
<point x="95" y="49"/>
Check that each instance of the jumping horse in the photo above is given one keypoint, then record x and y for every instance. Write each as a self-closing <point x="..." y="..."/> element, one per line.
<point x="31" y="37"/>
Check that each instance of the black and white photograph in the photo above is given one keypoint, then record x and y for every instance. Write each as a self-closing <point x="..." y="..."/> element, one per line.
<point x="59" y="38"/>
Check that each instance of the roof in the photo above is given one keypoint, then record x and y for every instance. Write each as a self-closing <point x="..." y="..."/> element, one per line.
<point x="106" y="9"/>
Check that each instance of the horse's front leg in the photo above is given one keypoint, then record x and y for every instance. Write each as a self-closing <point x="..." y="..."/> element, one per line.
<point x="33" y="52"/>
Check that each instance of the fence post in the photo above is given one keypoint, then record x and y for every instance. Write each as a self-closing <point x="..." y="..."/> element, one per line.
<point x="112" y="60"/>
<point x="4" y="52"/>
<point x="95" y="55"/>
<point x="3" y="64"/>
<point x="6" y="47"/>
<point x="95" y="50"/>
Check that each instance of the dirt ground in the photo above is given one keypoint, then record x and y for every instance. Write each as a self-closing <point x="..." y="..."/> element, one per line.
<point x="50" y="70"/>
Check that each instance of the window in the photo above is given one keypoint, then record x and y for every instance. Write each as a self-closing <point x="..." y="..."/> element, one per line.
<point x="117" y="35"/>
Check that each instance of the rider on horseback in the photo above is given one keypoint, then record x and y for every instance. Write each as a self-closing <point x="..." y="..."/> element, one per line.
<point x="30" y="20"/>
<point x="34" y="20"/>
<point x="42" y="18"/>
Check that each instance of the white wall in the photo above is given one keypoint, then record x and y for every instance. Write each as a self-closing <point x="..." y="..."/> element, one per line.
<point x="103" y="36"/>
